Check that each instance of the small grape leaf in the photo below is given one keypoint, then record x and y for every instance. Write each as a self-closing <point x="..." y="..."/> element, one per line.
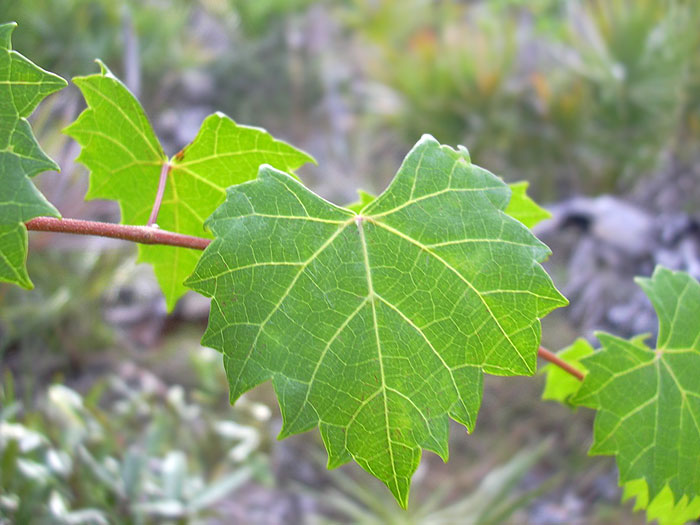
<point x="523" y="208"/>
<point x="663" y="507"/>
<point x="363" y="199"/>
<point x="125" y="159"/>
<point x="377" y="326"/>
<point x="648" y="400"/>
<point x="561" y="385"/>
<point x="23" y="85"/>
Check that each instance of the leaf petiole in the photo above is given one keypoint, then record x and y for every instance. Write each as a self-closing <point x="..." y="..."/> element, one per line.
<point x="165" y="170"/>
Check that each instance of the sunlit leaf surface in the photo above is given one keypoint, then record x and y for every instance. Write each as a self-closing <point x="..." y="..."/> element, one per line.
<point x="125" y="159"/>
<point x="376" y="326"/>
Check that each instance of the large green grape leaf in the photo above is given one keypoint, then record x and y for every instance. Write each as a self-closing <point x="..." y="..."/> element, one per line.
<point x="22" y="86"/>
<point x="125" y="159"/>
<point x="648" y="400"/>
<point x="376" y="326"/>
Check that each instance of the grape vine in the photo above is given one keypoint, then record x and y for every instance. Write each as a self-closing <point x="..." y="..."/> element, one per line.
<point x="375" y="322"/>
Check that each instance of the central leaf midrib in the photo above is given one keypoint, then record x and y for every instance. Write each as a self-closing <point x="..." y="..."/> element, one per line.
<point x="372" y="298"/>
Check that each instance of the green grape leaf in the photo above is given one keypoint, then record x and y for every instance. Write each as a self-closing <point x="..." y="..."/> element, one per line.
<point x="561" y="385"/>
<point x="364" y="198"/>
<point x="23" y="85"/>
<point x="523" y="208"/>
<point x="648" y="400"/>
<point x="520" y="206"/>
<point x="663" y="507"/>
<point x="125" y="159"/>
<point x="376" y="327"/>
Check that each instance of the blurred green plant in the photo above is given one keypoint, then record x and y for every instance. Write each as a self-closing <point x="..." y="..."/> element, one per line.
<point x="259" y="17"/>
<point x="443" y="65"/>
<point x="272" y="77"/>
<point x="585" y="96"/>
<point x="72" y="33"/>
<point x="63" y="314"/>
<point x="123" y="453"/>
<point x="237" y="42"/>
<point x="631" y="59"/>
<point x="495" y="500"/>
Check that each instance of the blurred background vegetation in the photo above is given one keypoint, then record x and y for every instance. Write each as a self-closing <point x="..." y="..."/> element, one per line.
<point x="111" y="412"/>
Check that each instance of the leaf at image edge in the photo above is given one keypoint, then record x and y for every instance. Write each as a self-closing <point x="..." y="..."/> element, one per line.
<point x="23" y="85"/>
<point x="523" y="208"/>
<point x="654" y="428"/>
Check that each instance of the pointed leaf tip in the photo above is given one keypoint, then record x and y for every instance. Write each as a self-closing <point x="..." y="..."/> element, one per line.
<point x="6" y="31"/>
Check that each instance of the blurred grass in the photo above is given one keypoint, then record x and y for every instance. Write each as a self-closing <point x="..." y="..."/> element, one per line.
<point x="573" y="96"/>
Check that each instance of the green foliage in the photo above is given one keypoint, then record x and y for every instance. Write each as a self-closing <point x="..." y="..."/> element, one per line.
<point x="665" y="507"/>
<point x="520" y="206"/>
<point x="22" y="86"/>
<point x="62" y="319"/>
<point x="654" y="428"/>
<point x="560" y="385"/>
<point x="376" y="326"/>
<point x="125" y="159"/>
<point x="630" y="61"/>
<point x="462" y="56"/>
<point x="647" y="400"/>
<point x="375" y="322"/>
<point x="258" y="17"/>
<point x="523" y="208"/>
<point x="494" y="501"/>
<point x="364" y="198"/>
<point x="72" y="33"/>
<point x="122" y="453"/>
<point x="603" y="90"/>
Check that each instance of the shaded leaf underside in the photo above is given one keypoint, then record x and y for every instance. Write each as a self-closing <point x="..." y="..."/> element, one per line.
<point x="376" y="327"/>
<point x="23" y="85"/>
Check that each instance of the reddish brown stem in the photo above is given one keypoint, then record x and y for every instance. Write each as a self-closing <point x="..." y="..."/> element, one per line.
<point x="552" y="358"/>
<point x="140" y="234"/>
<point x="159" y="196"/>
